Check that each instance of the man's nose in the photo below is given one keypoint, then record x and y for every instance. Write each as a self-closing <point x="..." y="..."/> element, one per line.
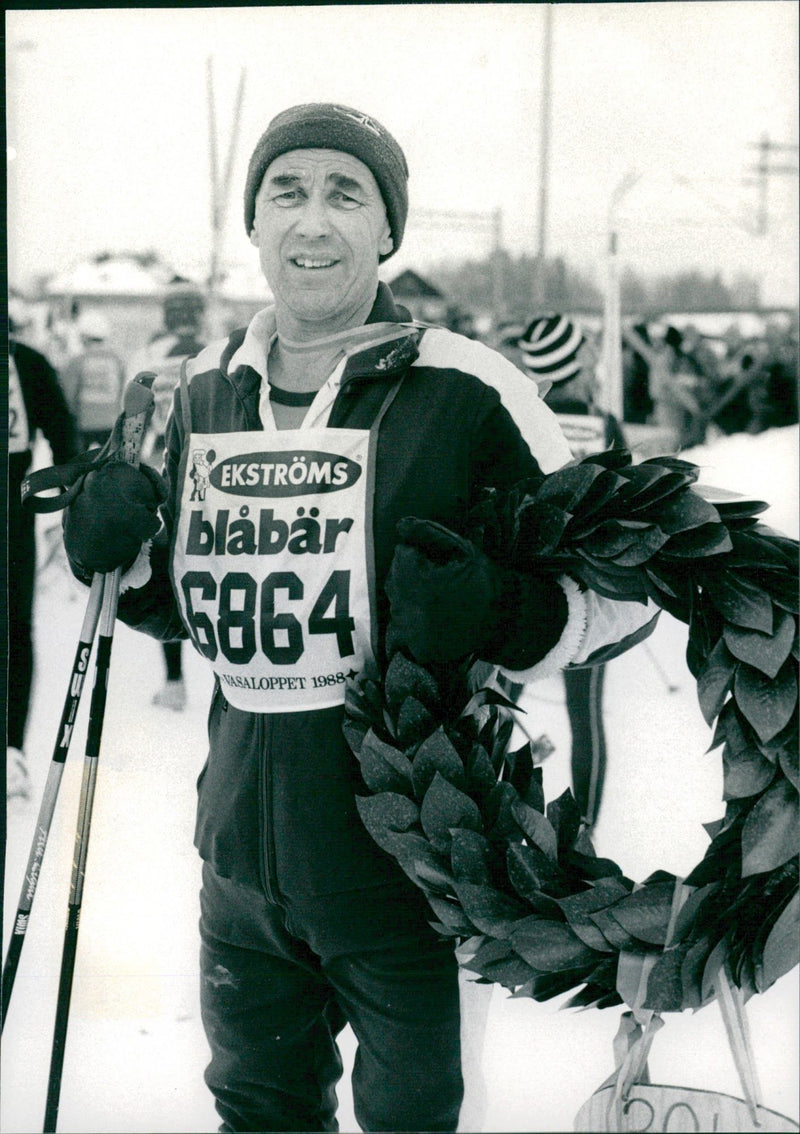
<point x="314" y="220"/>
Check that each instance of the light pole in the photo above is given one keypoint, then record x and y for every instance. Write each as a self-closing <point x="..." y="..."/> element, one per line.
<point x="538" y="289"/>
<point x="220" y="189"/>
<point x="612" y="317"/>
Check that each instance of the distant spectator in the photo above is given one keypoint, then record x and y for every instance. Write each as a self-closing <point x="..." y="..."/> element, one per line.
<point x="739" y="388"/>
<point x="180" y="338"/>
<point x="637" y="404"/>
<point x="35" y="402"/>
<point x="461" y="322"/>
<point x="697" y="350"/>
<point x="773" y="398"/>
<point x="92" y="381"/>
<point x="563" y="360"/>
<point x="505" y="341"/>
<point x="677" y="392"/>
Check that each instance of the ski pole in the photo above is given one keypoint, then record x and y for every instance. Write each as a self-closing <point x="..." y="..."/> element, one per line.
<point x="45" y="818"/>
<point x="138" y="407"/>
<point x="670" y="686"/>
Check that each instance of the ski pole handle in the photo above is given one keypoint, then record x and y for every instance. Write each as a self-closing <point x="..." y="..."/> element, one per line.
<point x="137" y="404"/>
<point x="127" y="436"/>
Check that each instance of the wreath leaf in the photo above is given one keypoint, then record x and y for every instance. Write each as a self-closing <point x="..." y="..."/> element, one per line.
<point x="645" y="913"/>
<point x="765" y="652"/>
<point x="767" y="703"/>
<point x="414" y="722"/>
<point x="405" y="678"/>
<point x="769" y="836"/>
<point x="740" y="602"/>
<point x="745" y="773"/>
<point x="436" y="754"/>
<point x="382" y="766"/>
<point x="385" y="814"/>
<point x="445" y="807"/>
<point x="489" y="911"/>
<point x="470" y="856"/>
<point x="789" y="766"/>
<point x="715" y="681"/>
<point x="450" y="914"/>
<point x="782" y="950"/>
<point x="551" y="947"/>
<point x="537" y="828"/>
<point x="665" y="981"/>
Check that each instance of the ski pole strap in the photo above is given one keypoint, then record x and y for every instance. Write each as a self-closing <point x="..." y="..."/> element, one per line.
<point x="68" y="477"/>
<point x="123" y="444"/>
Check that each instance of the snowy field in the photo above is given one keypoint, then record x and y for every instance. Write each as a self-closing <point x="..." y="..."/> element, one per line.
<point x="135" y="1049"/>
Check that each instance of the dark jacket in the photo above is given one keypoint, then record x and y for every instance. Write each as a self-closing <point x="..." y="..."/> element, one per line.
<point x="46" y="409"/>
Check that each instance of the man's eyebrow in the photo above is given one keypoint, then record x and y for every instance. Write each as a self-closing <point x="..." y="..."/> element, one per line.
<point x="348" y="184"/>
<point x="284" y="180"/>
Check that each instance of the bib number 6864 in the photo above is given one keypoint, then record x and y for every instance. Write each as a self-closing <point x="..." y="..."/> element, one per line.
<point x="246" y="615"/>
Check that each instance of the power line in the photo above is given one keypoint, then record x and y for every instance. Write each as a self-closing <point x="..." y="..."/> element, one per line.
<point x="766" y="147"/>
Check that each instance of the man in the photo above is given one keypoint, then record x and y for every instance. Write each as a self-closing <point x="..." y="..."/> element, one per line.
<point x="35" y="402"/>
<point x="324" y="423"/>
<point x="559" y="357"/>
<point x="181" y="338"/>
<point x="92" y="381"/>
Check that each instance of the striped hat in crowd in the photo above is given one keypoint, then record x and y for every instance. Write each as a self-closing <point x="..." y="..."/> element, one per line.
<point x="549" y="347"/>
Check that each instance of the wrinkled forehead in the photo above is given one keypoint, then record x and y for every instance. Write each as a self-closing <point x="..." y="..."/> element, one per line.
<point x="309" y="165"/>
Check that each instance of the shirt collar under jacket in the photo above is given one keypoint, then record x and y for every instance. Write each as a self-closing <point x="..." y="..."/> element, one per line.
<point x="386" y="343"/>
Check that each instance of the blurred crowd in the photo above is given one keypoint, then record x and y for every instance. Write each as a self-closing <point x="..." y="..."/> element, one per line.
<point x="697" y="386"/>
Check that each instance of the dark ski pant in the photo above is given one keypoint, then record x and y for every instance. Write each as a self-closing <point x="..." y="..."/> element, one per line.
<point x="272" y="1008"/>
<point x="584" y="689"/>
<point x="21" y="580"/>
<point x="584" y="697"/>
<point x="173" y="659"/>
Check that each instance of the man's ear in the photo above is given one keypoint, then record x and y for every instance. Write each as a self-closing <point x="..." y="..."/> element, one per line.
<point x="254" y="234"/>
<point x="386" y="244"/>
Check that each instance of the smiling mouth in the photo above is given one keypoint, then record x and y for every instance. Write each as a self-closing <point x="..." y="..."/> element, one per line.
<point x="313" y="263"/>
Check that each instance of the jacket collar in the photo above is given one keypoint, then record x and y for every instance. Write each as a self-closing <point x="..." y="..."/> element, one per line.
<point x="391" y="350"/>
<point x="397" y="351"/>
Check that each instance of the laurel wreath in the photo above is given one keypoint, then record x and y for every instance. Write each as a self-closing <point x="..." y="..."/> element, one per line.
<point x="516" y="880"/>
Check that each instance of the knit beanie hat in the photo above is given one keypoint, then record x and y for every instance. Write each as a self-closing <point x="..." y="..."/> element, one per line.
<point x="549" y="347"/>
<point x="328" y="126"/>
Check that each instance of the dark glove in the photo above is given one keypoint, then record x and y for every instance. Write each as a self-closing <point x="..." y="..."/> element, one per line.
<point x="449" y="600"/>
<point x="111" y="517"/>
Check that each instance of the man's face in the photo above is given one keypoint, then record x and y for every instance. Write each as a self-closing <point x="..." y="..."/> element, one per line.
<point x="320" y="227"/>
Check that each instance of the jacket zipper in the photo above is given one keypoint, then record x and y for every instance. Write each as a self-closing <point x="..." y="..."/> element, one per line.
<point x="266" y="841"/>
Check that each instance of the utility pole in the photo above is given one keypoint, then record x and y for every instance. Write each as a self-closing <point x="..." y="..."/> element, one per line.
<point x="498" y="274"/>
<point x="612" y="392"/>
<point x="220" y="189"/>
<point x="538" y="289"/>
<point x="766" y="147"/>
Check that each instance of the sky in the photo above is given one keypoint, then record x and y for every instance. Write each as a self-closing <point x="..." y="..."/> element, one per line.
<point x="108" y="127"/>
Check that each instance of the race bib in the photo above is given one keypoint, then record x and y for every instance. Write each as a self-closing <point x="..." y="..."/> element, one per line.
<point x="270" y="563"/>
<point x="585" y="433"/>
<point x="19" y="433"/>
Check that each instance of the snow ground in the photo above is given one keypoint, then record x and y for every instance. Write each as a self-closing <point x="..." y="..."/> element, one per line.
<point x="135" y="1049"/>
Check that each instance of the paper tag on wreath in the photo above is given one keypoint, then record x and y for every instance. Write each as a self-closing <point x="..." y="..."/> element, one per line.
<point x="628" y="1101"/>
<point x="671" y="1110"/>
